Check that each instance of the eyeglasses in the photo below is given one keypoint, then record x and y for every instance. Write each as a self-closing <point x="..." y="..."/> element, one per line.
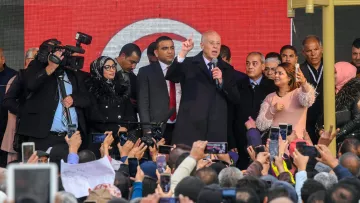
<point x="108" y="67"/>
<point x="270" y="69"/>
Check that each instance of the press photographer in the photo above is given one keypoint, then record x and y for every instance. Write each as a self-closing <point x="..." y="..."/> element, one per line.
<point x="46" y="113"/>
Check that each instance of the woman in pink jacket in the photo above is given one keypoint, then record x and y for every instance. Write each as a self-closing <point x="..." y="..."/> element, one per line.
<point x="289" y="103"/>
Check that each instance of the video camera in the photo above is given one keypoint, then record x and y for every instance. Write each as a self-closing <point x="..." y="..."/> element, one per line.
<point x="49" y="47"/>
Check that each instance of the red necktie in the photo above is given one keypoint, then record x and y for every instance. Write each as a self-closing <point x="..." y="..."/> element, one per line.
<point x="172" y="103"/>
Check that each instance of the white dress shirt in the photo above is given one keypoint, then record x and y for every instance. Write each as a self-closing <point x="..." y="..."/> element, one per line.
<point x="164" y="68"/>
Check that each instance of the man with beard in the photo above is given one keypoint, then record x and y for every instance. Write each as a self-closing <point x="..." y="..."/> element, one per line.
<point x="355" y="56"/>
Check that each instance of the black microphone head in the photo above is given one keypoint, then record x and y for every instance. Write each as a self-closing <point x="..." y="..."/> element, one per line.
<point x="214" y="61"/>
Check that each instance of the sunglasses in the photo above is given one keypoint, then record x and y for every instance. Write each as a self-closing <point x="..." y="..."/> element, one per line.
<point x="108" y="67"/>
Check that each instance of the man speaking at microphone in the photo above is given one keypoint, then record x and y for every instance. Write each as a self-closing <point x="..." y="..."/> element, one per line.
<point x="205" y="87"/>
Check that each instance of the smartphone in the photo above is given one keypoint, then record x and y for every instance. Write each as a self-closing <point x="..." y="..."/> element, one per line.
<point x="274" y="133"/>
<point x="165" y="182"/>
<point x="133" y="164"/>
<point x="28" y="149"/>
<point x="22" y="179"/>
<point x="259" y="149"/>
<point x="297" y="66"/>
<point x="169" y="200"/>
<point x="161" y="163"/>
<point x="229" y="195"/>
<point x="300" y="147"/>
<point x="283" y="127"/>
<point x="165" y="149"/>
<point x="123" y="137"/>
<point x="310" y="151"/>
<point x="216" y="148"/>
<point x="289" y="129"/>
<point x="274" y="142"/>
<point x="71" y="130"/>
<point x="98" y="137"/>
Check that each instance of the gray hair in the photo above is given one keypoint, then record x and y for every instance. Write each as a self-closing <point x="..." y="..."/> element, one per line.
<point x="66" y="197"/>
<point x="262" y="57"/>
<point x="228" y="177"/>
<point x="29" y="53"/>
<point x="311" y="37"/>
<point x="273" y="59"/>
<point x="343" y="160"/>
<point x="326" y="179"/>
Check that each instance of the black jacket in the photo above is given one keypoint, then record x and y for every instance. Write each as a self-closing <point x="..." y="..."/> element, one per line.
<point x="203" y="107"/>
<point x="37" y="114"/>
<point x="108" y="109"/>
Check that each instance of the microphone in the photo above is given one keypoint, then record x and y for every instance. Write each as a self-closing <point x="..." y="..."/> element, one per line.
<point x="168" y="115"/>
<point x="214" y="61"/>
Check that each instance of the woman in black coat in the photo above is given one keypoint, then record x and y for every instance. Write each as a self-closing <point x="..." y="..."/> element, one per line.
<point x="110" y="102"/>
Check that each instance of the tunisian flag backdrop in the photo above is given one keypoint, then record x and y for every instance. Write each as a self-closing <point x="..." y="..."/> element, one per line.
<point x="244" y="25"/>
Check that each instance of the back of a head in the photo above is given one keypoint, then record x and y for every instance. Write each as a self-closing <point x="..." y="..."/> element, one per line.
<point x="228" y="177"/>
<point x="342" y="193"/>
<point x="180" y="159"/>
<point x="123" y="183"/>
<point x="317" y="197"/>
<point x="65" y="197"/>
<point x="175" y="154"/>
<point x="289" y="189"/>
<point x="207" y="175"/>
<point x="210" y="194"/>
<point x="350" y="161"/>
<point x="57" y="153"/>
<point x="246" y="195"/>
<point x="151" y="48"/>
<point x="254" y="183"/>
<point x="149" y="186"/>
<point x="86" y="156"/>
<point x="129" y="49"/>
<point x="190" y="187"/>
<point x="281" y="200"/>
<point x="218" y="167"/>
<point x="225" y="52"/>
<point x="351" y="181"/>
<point x="349" y="145"/>
<point x="276" y="192"/>
<point x="310" y="186"/>
<point x="327" y="179"/>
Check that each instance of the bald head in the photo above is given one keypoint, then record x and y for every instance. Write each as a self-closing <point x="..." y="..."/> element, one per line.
<point x="210" y="44"/>
<point x="311" y="38"/>
<point x="312" y="50"/>
<point x="351" y="162"/>
<point x="281" y="200"/>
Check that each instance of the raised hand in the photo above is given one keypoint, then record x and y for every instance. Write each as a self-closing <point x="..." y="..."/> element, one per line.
<point x="186" y="46"/>
<point x="326" y="137"/>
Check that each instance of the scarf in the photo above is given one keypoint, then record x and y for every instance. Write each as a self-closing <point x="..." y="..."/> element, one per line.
<point x="344" y="73"/>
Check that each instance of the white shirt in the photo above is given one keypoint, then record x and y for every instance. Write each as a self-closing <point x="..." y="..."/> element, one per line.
<point x="164" y="68"/>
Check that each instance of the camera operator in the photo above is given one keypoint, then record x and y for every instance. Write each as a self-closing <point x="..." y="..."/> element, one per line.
<point x="43" y="119"/>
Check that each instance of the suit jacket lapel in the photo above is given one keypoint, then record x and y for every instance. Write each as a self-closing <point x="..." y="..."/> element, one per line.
<point x="198" y="59"/>
<point x="158" y="73"/>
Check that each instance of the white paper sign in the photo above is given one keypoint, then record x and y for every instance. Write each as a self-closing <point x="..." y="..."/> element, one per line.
<point x="78" y="178"/>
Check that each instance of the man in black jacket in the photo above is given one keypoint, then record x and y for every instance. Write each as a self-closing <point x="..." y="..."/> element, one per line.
<point x="253" y="90"/>
<point x="155" y="94"/>
<point x="205" y="89"/>
<point x="42" y="117"/>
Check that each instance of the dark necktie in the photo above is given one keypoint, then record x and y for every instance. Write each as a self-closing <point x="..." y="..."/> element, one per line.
<point x="210" y="67"/>
<point x="253" y="85"/>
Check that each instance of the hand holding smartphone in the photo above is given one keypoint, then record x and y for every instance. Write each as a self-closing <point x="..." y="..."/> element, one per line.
<point x="216" y="148"/>
<point x="165" y="182"/>
<point x="283" y="128"/>
<point x="165" y="149"/>
<point x="274" y="141"/>
<point x="71" y="130"/>
<point x="28" y="148"/>
<point x="161" y="163"/>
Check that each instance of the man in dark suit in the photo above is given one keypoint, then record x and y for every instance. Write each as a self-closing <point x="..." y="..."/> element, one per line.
<point x="253" y="89"/>
<point x="225" y="55"/>
<point x="312" y="69"/>
<point x="128" y="58"/>
<point x="42" y="117"/>
<point x="203" y="109"/>
<point x="155" y="94"/>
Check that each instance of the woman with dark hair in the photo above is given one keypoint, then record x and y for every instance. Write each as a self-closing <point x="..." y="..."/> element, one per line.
<point x="289" y="103"/>
<point x="110" y="100"/>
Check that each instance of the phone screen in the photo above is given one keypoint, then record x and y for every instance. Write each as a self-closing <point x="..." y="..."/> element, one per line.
<point x="259" y="149"/>
<point x="123" y="137"/>
<point x="165" y="149"/>
<point x="169" y="200"/>
<point x="165" y="182"/>
<point x="133" y="164"/>
<point x="216" y="148"/>
<point x="310" y="151"/>
<point x="28" y="149"/>
<point x="25" y="181"/>
<point x="300" y="147"/>
<point x="274" y="133"/>
<point x="283" y="130"/>
<point x="71" y="130"/>
<point x="98" y="137"/>
<point x="289" y="129"/>
<point x="161" y="164"/>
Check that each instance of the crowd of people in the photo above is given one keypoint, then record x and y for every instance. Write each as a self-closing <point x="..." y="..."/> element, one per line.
<point x="184" y="103"/>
